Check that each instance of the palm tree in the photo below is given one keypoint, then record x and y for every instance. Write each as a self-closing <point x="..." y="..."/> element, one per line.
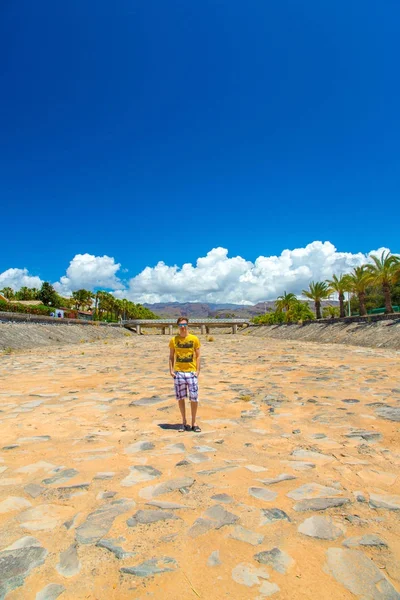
<point x="284" y="303"/>
<point x="317" y="291"/>
<point x="384" y="273"/>
<point x="359" y="280"/>
<point x="8" y="293"/>
<point x="339" y="285"/>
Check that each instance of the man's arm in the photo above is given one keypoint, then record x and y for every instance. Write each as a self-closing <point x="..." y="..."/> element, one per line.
<point x="198" y="361"/>
<point x="171" y="361"/>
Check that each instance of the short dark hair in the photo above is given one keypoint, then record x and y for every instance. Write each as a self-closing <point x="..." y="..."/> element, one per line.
<point x="182" y="319"/>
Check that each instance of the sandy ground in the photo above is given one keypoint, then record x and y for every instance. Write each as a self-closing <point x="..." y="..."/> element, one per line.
<point x="315" y="413"/>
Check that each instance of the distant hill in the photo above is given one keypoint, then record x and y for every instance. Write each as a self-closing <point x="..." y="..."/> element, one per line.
<point x="200" y="309"/>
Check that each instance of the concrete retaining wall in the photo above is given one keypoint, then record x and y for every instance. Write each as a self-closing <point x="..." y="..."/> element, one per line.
<point x="18" y="336"/>
<point x="376" y="332"/>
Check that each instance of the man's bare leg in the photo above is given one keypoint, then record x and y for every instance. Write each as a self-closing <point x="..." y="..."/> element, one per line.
<point x="182" y="408"/>
<point x="193" y="408"/>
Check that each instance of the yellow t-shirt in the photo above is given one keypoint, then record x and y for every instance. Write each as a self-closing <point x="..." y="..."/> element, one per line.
<point x="185" y="356"/>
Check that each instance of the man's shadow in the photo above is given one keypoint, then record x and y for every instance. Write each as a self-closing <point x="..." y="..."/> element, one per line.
<point x="169" y="426"/>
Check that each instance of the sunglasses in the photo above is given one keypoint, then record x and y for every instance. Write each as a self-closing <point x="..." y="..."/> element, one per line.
<point x="182" y="325"/>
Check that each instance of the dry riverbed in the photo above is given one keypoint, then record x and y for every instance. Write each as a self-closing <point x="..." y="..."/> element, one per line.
<point x="290" y="491"/>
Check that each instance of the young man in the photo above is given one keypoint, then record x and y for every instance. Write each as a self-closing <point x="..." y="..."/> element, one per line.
<point x="184" y="367"/>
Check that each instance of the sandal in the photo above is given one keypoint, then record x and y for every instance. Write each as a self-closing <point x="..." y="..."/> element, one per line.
<point x="196" y="429"/>
<point x="182" y="428"/>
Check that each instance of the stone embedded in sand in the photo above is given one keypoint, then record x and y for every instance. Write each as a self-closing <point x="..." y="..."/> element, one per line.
<point x="34" y="490"/>
<point x="214" y="518"/>
<point x="298" y="465"/>
<point x="362" y="434"/>
<point x="245" y="535"/>
<point x="41" y="465"/>
<point x="17" y="561"/>
<point x="204" y="449"/>
<point x="359" y="574"/>
<point x="151" y="567"/>
<point x="278" y="559"/>
<point x="166" y="488"/>
<point x="222" y="498"/>
<point x="217" y="470"/>
<point x="255" y="468"/>
<point x="13" y="503"/>
<point x="111" y="546"/>
<point x="146" y="517"/>
<point x="278" y="479"/>
<point x="174" y="449"/>
<point x="142" y="446"/>
<point x="316" y="504"/>
<point x="267" y="589"/>
<point x="34" y="439"/>
<point x="376" y="477"/>
<point x="300" y="454"/>
<point x="69" y="564"/>
<point x="313" y="490"/>
<point x="389" y="413"/>
<point x="45" y="517"/>
<point x="147" y="401"/>
<point x="61" y="477"/>
<point x="140" y="473"/>
<point x="99" y="522"/>
<point x="104" y="475"/>
<point x="197" y="458"/>
<point x="262" y="494"/>
<point x="249" y="575"/>
<point x="50" y="592"/>
<point x="270" y="515"/>
<point x="384" y="501"/>
<point x="68" y="491"/>
<point x="365" y="540"/>
<point x="214" y="559"/>
<point x="167" y="505"/>
<point x="321" y="528"/>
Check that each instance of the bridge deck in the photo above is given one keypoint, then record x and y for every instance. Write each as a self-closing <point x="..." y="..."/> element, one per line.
<point x="170" y="324"/>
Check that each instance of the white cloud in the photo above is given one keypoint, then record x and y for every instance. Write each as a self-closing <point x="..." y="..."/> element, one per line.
<point x="89" y="272"/>
<point x="216" y="278"/>
<point x="18" y="278"/>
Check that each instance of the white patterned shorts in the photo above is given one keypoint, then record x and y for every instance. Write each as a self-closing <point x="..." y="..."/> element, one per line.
<point x="186" y="383"/>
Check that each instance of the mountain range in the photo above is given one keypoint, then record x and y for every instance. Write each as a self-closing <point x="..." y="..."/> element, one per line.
<point x="202" y="309"/>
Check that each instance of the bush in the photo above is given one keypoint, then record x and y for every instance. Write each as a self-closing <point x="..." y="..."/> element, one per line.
<point x="23" y="308"/>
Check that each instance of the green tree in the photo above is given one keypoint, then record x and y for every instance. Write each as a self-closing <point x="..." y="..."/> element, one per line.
<point x="83" y="299"/>
<point x="359" y="280"/>
<point x="384" y="272"/>
<point x="48" y="294"/>
<point x="283" y="303"/>
<point x="8" y="293"/>
<point x="23" y="293"/>
<point x="317" y="291"/>
<point x="339" y="285"/>
<point x="299" y="311"/>
<point x="331" y="311"/>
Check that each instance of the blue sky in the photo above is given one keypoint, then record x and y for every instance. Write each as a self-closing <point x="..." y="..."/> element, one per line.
<point x="159" y="131"/>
